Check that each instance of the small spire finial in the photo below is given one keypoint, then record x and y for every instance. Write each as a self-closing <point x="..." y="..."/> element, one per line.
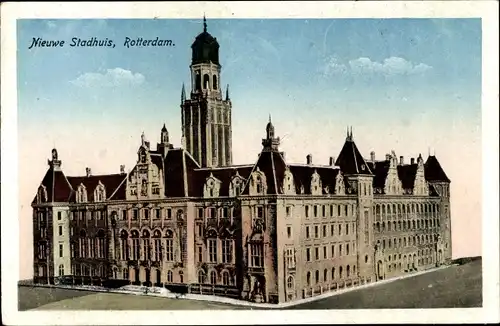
<point x="204" y="23"/>
<point x="269" y="117"/>
<point x="351" y="133"/>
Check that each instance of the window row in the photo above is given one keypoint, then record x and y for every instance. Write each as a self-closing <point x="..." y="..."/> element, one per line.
<point x="404" y="242"/>
<point x="333" y="210"/>
<point x="88" y="215"/>
<point x="146" y="249"/>
<point x="393" y="211"/>
<point x="213" y="255"/>
<point x="151" y="213"/>
<point x="331" y="275"/>
<point x="215" y="212"/>
<point x="336" y="250"/>
<point x="87" y="248"/>
<point x="323" y="231"/>
<point x="224" y="278"/>
<point x="407" y="225"/>
<point x="88" y="270"/>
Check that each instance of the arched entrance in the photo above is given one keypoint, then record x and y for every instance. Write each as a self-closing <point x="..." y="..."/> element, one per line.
<point x="136" y="276"/>
<point x="147" y="271"/>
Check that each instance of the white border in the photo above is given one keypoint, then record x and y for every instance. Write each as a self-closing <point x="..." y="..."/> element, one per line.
<point x="487" y="10"/>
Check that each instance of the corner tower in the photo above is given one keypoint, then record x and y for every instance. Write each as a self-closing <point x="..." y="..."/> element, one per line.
<point x="206" y="115"/>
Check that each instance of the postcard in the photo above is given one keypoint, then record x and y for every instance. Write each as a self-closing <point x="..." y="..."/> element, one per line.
<point x="227" y="162"/>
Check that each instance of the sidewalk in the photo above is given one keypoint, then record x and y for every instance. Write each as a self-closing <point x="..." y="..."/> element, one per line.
<point x="162" y="292"/>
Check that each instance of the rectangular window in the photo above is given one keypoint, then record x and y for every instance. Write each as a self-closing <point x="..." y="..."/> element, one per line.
<point x="212" y="212"/>
<point x="135" y="249"/>
<point x="136" y="214"/>
<point x="289" y="231"/>
<point x="60" y="230"/>
<point x="157" y="213"/>
<point x="316" y="253"/>
<point x="333" y="251"/>
<point x="332" y="229"/>
<point x="316" y="231"/>
<point x="347" y="249"/>
<point x="200" y="254"/>
<point x="169" y="250"/>
<point x="212" y="250"/>
<point x="257" y="255"/>
<point x="260" y="212"/>
<point x="308" y="254"/>
<point x="347" y="229"/>
<point x="331" y="210"/>
<point x="290" y="258"/>
<point x="340" y="250"/>
<point x="339" y="210"/>
<point x="200" y="213"/>
<point x="324" y="211"/>
<point x="124" y="215"/>
<point x="307" y="232"/>
<point x="325" y="253"/>
<point x="307" y="211"/>
<point x="225" y="212"/>
<point x="315" y="210"/>
<point x="288" y="211"/>
<point x="60" y="250"/>
<point x="200" y="230"/>
<point x="340" y="229"/>
<point x="324" y="231"/>
<point x="59" y="216"/>
<point x="227" y="251"/>
<point x="146" y="214"/>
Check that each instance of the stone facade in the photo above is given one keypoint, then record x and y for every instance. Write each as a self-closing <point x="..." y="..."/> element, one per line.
<point x="189" y="220"/>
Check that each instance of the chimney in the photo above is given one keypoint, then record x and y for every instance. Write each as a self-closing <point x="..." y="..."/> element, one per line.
<point x="88" y="171"/>
<point x="332" y="161"/>
<point x="122" y="169"/>
<point x="372" y="156"/>
<point x="412" y="160"/>
<point x="401" y="160"/>
<point x="309" y="159"/>
<point x="387" y="157"/>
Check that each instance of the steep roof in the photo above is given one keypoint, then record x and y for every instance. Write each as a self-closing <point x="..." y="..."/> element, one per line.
<point x="57" y="186"/>
<point x="302" y="175"/>
<point x="110" y="181"/>
<point x="272" y="164"/>
<point x="350" y="159"/>
<point x="407" y="174"/>
<point x="434" y="171"/>
<point x="224" y="175"/>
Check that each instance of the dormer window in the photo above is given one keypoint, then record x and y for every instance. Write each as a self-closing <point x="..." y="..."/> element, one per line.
<point x="81" y="194"/>
<point x="212" y="187"/>
<point x="316" y="187"/>
<point x="339" y="185"/>
<point x="258" y="183"/>
<point x="235" y="186"/>
<point x="288" y="186"/>
<point x="42" y="194"/>
<point x="100" y="193"/>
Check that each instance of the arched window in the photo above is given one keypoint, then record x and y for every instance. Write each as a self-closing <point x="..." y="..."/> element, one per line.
<point x="333" y="273"/>
<point x="101" y="244"/>
<point x="206" y="81"/>
<point x="289" y="283"/>
<point x="225" y="276"/>
<point x="316" y="276"/>
<point x="61" y="270"/>
<point x="214" y="80"/>
<point x="124" y="246"/>
<point x="201" y="277"/>
<point x="169" y="246"/>
<point x="198" y="81"/>
<point x="170" y="276"/>
<point x="348" y="271"/>
<point x="325" y="275"/>
<point x="213" y="277"/>
<point x="308" y="278"/>
<point x="340" y="272"/>
<point x="135" y="245"/>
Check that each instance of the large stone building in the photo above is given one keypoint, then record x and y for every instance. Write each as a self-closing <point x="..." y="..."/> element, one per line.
<point x="272" y="231"/>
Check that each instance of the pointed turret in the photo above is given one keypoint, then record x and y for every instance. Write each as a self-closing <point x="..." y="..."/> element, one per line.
<point x="227" y="92"/>
<point x="270" y="142"/>
<point x="183" y="94"/>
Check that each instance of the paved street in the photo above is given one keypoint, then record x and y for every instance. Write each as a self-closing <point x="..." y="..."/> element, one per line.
<point x="456" y="286"/>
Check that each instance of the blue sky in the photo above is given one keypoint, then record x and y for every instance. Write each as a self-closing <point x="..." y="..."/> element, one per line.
<point x="340" y="68"/>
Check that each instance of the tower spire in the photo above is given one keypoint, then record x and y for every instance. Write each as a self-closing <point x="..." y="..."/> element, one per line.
<point x="204" y="23"/>
<point x="270" y="118"/>
<point x="183" y="93"/>
<point x="227" y="92"/>
<point x="351" y="133"/>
